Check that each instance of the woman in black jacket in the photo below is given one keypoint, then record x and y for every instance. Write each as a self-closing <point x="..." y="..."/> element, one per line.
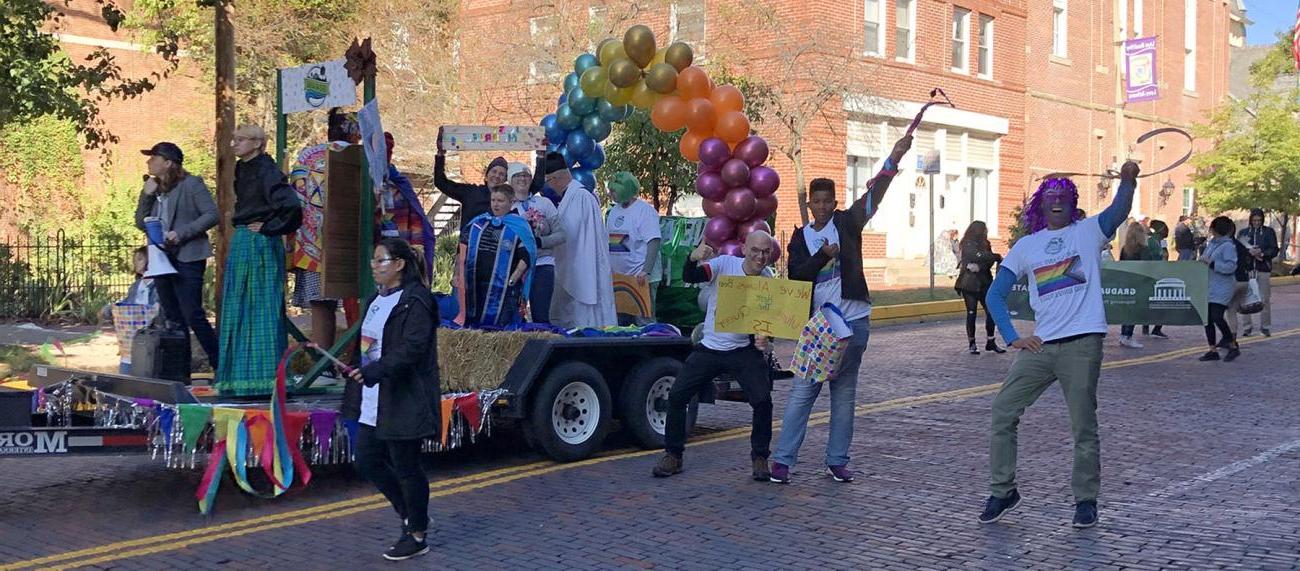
<point x="977" y="259"/>
<point x="396" y="394"/>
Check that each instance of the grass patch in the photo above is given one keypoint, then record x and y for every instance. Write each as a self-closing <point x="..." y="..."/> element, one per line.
<point x="915" y="295"/>
<point x="19" y="359"/>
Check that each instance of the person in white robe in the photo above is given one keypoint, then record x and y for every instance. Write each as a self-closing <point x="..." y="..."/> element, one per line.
<point x="584" y="287"/>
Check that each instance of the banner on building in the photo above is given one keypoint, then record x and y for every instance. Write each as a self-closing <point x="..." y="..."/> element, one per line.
<point x="1140" y="70"/>
<point x="493" y="138"/>
<point x="762" y="306"/>
<point x="1136" y="293"/>
<point x="316" y="86"/>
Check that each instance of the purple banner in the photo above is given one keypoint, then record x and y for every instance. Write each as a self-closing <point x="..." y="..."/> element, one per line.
<point x="1140" y="70"/>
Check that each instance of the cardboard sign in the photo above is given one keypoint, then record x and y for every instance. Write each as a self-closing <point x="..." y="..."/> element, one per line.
<point x="493" y="138"/>
<point x="342" y="255"/>
<point x="316" y="86"/>
<point x="762" y="306"/>
<point x="632" y="296"/>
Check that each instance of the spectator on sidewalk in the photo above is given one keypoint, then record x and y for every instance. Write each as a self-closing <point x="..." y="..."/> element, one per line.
<point x="977" y="260"/>
<point x="1261" y="242"/>
<point x="1134" y="249"/>
<point x="1184" y="239"/>
<point x="1221" y="257"/>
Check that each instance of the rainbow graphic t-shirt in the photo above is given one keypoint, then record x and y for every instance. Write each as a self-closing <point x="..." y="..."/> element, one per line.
<point x="1063" y="268"/>
<point x="372" y="347"/>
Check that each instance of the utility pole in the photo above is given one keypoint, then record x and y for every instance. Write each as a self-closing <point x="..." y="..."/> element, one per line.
<point x="225" y="104"/>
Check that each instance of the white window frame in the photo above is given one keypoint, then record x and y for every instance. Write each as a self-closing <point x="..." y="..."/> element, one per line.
<point x="984" y="48"/>
<point x="910" y="56"/>
<point x="1137" y="18"/>
<point x="674" y="26"/>
<point x="1189" y="200"/>
<point x="878" y="20"/>
<point x="1061" y="28"/>
<point x="598" y="14"/>
<point x="1189" y="45"/>
<point x="960" y="38"/>
<point x="536" y="73"/>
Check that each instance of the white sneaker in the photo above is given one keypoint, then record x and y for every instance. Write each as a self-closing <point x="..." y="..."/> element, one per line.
<point x="1129" y="342"/>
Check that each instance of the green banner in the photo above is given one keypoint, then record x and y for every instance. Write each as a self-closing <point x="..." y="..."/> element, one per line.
<point x="1140" y="293"/>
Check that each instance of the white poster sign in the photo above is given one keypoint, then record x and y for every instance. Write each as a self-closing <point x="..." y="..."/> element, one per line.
<point x="316" y="86"/>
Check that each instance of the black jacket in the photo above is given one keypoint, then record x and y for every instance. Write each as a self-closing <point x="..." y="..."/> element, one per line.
<point x="410" y="391"/>
<point x="474" y="199"/>
<point x="802" y="266"/>
<point x="1266" y="239"/>
<point x="254" y="181"/>
<point x="977" y="281"/>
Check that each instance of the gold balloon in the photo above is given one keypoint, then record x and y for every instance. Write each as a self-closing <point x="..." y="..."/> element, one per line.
<point x="610" y="51"/>
<point x="618" y="95"/>
<point x="661" y="78"/>
<point x="593" y="81"/>
<point x="639" y="42"/>
<point x="659" y="57"/>
<point x="643" y="97"/>
<point x="680" y="55"/>
<point x="623" y="73"/>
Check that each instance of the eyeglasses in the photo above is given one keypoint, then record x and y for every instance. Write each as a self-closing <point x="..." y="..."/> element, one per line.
<point x="382" y="261"/>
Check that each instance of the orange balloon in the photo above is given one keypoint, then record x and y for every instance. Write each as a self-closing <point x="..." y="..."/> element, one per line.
<point x="700" y="116"/>
<point x="727" y="98"/>
<point x="669" y="114"/>
<point x="690" y="146"/>
<point x="693" y="83"/>
<point x="732" y="127"/>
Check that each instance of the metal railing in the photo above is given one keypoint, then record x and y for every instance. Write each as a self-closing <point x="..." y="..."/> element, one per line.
<point x="61" y="277"/>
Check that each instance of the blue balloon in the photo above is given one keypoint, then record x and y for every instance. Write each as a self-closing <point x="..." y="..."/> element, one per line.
<point x="585" y="177"/>
<point x="566" y="119"/>
<point x="595" y="127"/>
<point x="580" y="102"/>
<point x="584" y="62"/>
<point x="564" y="98"/>
<point x="553" y="130"/>
<point x="595" y="159"/>
<point x="610" y="112"/>
<point x="579" y="144"/>
<point x="567" y="154"/>
<point x="570" y="82"/>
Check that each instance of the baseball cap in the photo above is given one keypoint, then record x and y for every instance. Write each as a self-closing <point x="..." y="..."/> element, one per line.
<point x="167" y="151"/>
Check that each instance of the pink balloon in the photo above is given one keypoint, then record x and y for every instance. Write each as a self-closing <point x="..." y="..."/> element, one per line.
<point x="711" y="186"/>
<point x="740" y="204"/>
<point x="732" y="248"/>
<point x="752" y="150"/>
<point x="747" y="228"/>
<point x="714" y="152"/>
<point x="713" y="208"/>
<point x="764" y="181"/>
<point x="719" y="230"/>
<point x="765" y="206"/>
<point x="735" y="172"/>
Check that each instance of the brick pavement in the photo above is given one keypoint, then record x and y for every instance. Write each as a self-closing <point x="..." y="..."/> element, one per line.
<point x="1199" y="470"/>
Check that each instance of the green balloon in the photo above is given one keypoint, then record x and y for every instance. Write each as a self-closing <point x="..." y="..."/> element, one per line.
<point x="570" y="82"/>
<point x="610" y="112"/>
<point x="595" y="127"/>
<point x="580" y="102"/>
<point x="566" y="118"/>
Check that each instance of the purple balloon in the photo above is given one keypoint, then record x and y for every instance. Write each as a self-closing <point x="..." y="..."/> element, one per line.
<point x="711" y="187"/>
<point x="752" y="150"/>
<point x="764" y="181"/>
<point x="709" y="169"/>
<point x="713" y="208"/>
<point x="718" y="231"/>
<point x="714" y="152"/>
<point x="765" y="207"/>
<point x="776" y="252"/>
<point x="747" y="228"/>
<point x="735" y="173"/>
<point x="732" y="248"/>
<point x="740" y="204"/>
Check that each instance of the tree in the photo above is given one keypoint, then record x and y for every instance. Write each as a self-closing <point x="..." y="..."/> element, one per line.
<point x="42" y="80"/>
<point x="1255" y="161"/>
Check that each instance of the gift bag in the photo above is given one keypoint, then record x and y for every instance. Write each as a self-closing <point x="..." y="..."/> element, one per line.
<point x="1252" y="303"/>
<point x="127" y="319"/>
<point x="821" y="345"/>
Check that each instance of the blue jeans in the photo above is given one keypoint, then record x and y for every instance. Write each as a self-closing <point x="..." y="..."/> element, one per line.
<point x="539" y="298"/>
<point x="803" y="393"/>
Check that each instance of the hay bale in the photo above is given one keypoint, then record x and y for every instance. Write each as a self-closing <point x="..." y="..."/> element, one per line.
<point x="474" y="360"/>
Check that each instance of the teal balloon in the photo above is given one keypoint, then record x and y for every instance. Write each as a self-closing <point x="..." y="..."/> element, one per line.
<point x="610" y="112"/>
<point x="584" y="62"/>
<point x="580" y="102"/>
<point x="570" y="82"/>
<point x="567" y="119"/>
<point x="595" y="127"/>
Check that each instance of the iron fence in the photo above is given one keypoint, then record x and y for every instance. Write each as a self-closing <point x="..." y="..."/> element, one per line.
<point x="62" y="277"/>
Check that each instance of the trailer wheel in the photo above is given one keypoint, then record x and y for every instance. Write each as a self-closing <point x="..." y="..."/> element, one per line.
<point x="570" y="413"/>
<point x="643" y="403"/>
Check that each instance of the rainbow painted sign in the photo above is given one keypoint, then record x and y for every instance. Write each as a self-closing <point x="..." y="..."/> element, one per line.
<point x="493" y="138"/>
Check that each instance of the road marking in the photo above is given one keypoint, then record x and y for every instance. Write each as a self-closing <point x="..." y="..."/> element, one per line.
<point x="180" y="540"/>
<point x="1230" y="469"/>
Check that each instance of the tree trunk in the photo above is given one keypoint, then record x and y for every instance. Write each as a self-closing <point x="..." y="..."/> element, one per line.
<point x="225" y="103"/>
<point x="800" y="190"/>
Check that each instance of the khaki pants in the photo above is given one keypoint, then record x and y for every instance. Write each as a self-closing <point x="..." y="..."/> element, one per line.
<point x="1238" y="296"/>
<point x="1077" y="365"/>
<point x="1265" y="317"/>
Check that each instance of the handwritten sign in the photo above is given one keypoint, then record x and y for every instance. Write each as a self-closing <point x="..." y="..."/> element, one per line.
<point x="493" y="138"/>
<point x="762" y="306"/>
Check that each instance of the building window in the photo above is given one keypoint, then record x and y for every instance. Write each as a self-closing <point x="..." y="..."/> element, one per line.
<point x="986" y="47"/>
<point x="1189" y="46"/>
<point x="960" y="40"/>
<point x="1137" y="18"/>
<point x="545" y="35"/>
<point x="688" y="24"/>
<point x="904" y="26"/>
<point x="1189" y="200"/>
<point x="597" y="25"/>
<point x="874" y="15"/>
<point x="858" y="172"/>
<point x="1060" y="28"/>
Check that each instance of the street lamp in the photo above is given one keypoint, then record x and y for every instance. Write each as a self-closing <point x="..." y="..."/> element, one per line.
<point x="1166" y="191"/>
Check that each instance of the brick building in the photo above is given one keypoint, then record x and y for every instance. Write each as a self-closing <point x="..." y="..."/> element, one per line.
<point x="1035" y="81"/>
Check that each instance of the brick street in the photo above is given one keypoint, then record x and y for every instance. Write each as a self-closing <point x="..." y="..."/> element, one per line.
<point x="1201" y="469"/>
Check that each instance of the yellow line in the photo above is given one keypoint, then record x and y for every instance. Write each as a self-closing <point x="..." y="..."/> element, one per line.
<point x="181" y="540"/>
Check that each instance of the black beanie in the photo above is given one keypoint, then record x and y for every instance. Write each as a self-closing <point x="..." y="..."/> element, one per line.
<point x="554" y="162"/>
<point x="497" y="162"/>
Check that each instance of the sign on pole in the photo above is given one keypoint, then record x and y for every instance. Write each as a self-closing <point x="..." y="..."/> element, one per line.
<point x="316" y="86"/>
<point x="1140" y="70"/>
<point x="762" y="306"/>
<point x="493" y="138"/>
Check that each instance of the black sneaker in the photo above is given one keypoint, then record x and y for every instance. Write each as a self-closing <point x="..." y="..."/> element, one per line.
<point x="1209" y="356"/>
<point x="995" y="507"/>
<point x="1232" y="355"/>
<point x="405" y="548"/>
<point x="973" y="349"/>
<point x="1085" y="514"/>
<point x="668" y="465"/>
<point x="1159" y="334"/>
<point x="762" y="472"/>
<point x="1266" y="332"/>
<point x="993" y="346"/>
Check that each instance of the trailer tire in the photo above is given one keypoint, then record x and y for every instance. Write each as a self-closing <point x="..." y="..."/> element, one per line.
<point x="570" y="413"/>
<point x="643" y="401"/>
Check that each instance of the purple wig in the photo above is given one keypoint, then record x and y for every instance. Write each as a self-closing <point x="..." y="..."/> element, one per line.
<point x="1033" y="214"/>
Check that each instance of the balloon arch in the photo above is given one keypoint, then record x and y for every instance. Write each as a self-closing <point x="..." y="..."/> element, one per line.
<point x="737" y="189"/>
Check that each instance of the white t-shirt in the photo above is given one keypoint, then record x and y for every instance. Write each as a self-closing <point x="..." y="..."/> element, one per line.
<point x="828" y="287"/>
<point x="549" y="213"/>
<point x="1064" y="275"/>
<point x="630" y="231"/>
<point x="372" y="347"/>
<point x="718" y="267"/>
